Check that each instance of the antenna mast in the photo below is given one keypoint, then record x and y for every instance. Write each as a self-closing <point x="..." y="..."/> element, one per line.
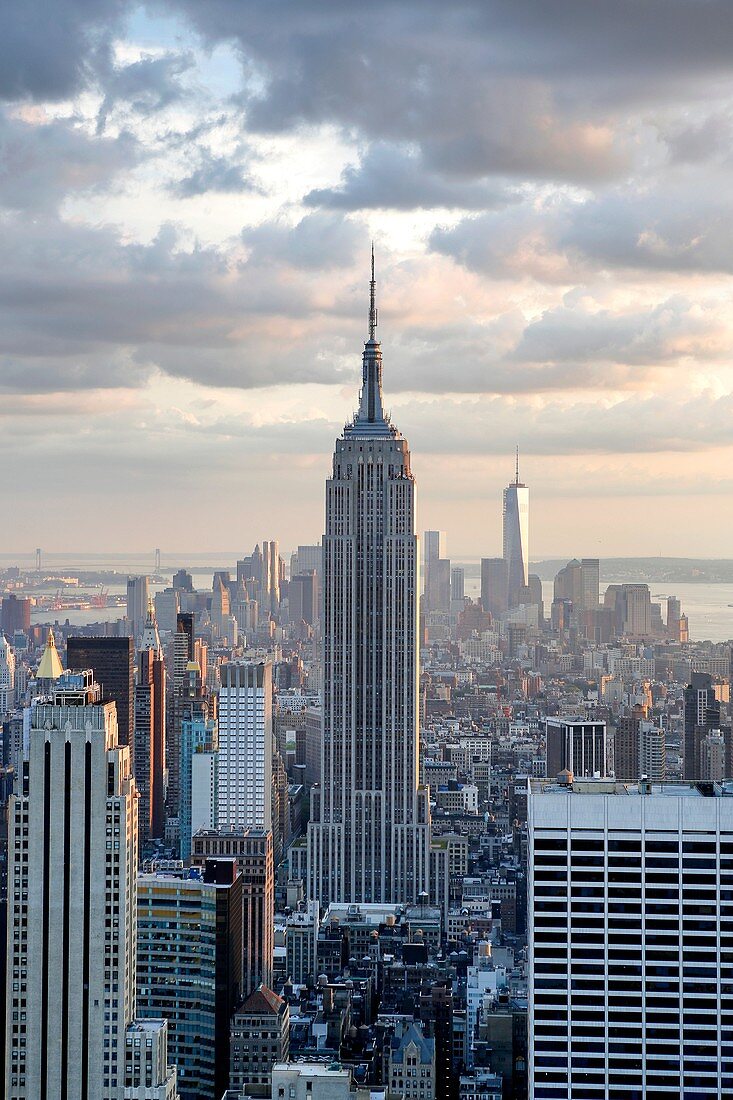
<point x="372" y="306"/>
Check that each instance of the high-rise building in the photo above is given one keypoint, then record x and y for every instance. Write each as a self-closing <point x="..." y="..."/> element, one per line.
<point x="638" y="610"/>
<point x="370" y="833"/>
<point x="434" y="548"/>
<point x="182" y="651"/>
<point x="112" y="661"/>
<point x="189" y="967"/>
<point x="626" y="744"/>
<point x="272" y="576"/>
<point x="437" y="577"/>
<point x="252" y="848"/>
<point x="149" y="756"/>
<point x="197" y="735"/>
<point x="303" y="598"/>
<point x="15" y="614"/>
<point x="516" y="537"/>
<point x="629" y="940"/>
<point x="183" y="581"/>
<point x="7" y="676"/>
<point x="301" y="944"/>
<point x="72" y="927"/>
<point x="702" y="716"/>
<point x="49" y="667"/>
<point x="307" y="559"/>
<point x="576" y="745"/>
<point x="260" y="1038"/>
<point x="138" y="601"/>
<point x="411" y="1065"/>
<point x="494" y="586"/>
<point x="652" y="752"/>
<point x="245" y="745"/>
<point x="590" y="583"/>
<point x="712" y="753"/>
<point x="568" y="584"/>
<point x="167" y="607"/>
<point x="203" y="798"/>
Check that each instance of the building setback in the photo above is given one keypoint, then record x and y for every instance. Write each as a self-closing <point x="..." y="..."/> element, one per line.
<point x="370" y="831"/>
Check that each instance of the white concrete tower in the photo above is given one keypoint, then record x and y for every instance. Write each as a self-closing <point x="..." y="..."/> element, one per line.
<point x="370" y="832"/>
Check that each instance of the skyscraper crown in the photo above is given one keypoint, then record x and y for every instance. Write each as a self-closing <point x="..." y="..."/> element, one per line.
<point x="371" y="420"/>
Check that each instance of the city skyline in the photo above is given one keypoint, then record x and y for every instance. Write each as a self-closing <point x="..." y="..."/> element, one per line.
<point x="422" y="790"/>
<point x="186" y="224"/>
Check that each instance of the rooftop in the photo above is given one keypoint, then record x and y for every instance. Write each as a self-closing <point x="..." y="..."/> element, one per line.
<point x="611" y="786"/>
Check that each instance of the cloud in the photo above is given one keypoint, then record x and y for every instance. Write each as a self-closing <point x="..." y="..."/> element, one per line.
<point x="41" y="163"/>
<point x="145" y="86"/>
<point x="217" y="174"/>
<point x="633" y="425"/>
<point x="671" y="227"/>
<point x="50" y="53"/>
<point x="389" y="177"/>
<point x="319" y="241"/>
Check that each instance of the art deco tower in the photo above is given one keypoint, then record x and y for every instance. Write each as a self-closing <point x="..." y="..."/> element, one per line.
<point x="370" y="832"/>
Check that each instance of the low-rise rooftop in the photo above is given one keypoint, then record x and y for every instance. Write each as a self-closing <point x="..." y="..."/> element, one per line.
<point x="566" y="784"/>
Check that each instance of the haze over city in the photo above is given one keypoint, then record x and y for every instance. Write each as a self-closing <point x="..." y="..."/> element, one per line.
<point x="366" y="591"/>
<point x="186" y="223"/>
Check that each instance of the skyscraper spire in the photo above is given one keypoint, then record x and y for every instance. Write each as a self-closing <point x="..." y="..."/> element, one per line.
<point x="369" y="836"/>
<point x="371" y="418"/>
<point x="372" y="306"/>
<point x="516" y="472"/>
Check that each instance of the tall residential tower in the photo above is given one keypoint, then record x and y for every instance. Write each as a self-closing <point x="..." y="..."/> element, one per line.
<point x="368" y="840"/>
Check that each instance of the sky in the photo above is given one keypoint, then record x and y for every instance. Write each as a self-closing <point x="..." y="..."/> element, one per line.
<point x="188" y="192"/>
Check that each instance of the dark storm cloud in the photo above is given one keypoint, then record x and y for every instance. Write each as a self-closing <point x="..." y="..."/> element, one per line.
<point x="50" y="51"/>
<point x="392" y="178"/>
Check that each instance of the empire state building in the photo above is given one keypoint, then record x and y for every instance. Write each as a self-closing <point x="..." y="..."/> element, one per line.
<point x="369" y="836"/>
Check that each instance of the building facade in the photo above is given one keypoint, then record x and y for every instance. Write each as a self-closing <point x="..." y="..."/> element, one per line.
<point x="630" y="928"/>
<point x="112" y="661"/>
<point x="370" y="831"/>
<point x="244" y="762"/>
<point x="516" y="538"/>
<point x="576" y="745"/>
<point x="189" y="967"/>
<point x="260" y="1038"/>
<point x="252" y="848"/>
<point x="71" y="948"/>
